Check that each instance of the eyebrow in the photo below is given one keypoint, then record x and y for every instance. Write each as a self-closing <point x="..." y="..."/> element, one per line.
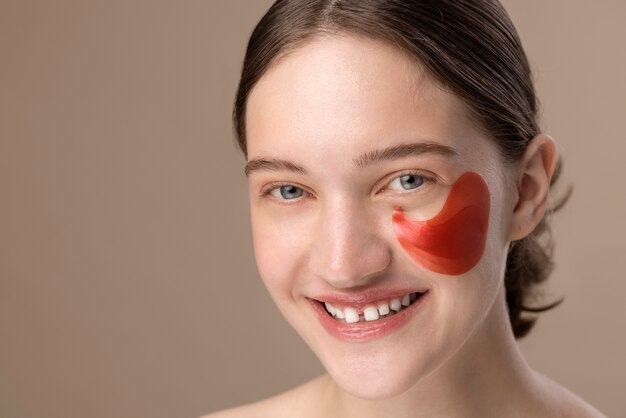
<point x="403" y="151"/>
<point x="272" y="164"/>
<point x="368" y="158"/>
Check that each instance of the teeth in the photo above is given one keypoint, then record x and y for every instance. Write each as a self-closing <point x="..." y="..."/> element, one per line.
<point x="352" y="315"/>
<point x="331" y="309"/>
<point x="371" y="312"/>
<point x="395" y="304"/>
<point x="383" y="309"/>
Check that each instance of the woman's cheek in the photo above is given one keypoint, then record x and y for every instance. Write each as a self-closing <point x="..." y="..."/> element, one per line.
<point x="452" y="242"/>
<point x="278" y="247"/>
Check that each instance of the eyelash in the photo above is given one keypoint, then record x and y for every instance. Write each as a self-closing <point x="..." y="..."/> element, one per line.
<point x="267" y="190"/>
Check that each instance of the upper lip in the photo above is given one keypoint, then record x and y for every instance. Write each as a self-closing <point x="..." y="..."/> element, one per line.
<point x="365" y="297"/>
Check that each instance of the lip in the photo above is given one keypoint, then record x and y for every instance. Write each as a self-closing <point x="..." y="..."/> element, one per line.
<point x="366" y="330"/>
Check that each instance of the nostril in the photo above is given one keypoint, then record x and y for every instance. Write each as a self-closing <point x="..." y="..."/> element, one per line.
<point x="351" y="269"/>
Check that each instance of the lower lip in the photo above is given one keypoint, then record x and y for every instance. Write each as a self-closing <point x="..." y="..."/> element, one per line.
<point x="366" y="330"/>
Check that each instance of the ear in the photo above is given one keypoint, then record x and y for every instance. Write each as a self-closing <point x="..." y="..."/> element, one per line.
<point x="533" y="185"/>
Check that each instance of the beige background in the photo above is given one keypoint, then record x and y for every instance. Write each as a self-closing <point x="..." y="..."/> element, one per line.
<point x="127" y="279"/>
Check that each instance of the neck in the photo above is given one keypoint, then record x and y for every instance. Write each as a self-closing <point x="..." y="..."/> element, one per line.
<point x="486" y="377"/>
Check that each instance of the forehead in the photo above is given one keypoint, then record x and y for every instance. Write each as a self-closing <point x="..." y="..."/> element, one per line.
<point x="343" y="95"/>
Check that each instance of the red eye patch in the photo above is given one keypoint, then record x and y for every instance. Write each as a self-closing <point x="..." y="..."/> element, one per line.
<point x="453" y="241"/>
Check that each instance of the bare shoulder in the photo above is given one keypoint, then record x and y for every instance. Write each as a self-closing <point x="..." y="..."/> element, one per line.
<point x="281" y="405"/>
<point x="256" y="409"/>
<point x="565" y="403"/>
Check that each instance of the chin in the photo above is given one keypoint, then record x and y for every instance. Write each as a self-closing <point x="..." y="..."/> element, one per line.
<point x="376" y="388"/>
<point x="376" y="375"/>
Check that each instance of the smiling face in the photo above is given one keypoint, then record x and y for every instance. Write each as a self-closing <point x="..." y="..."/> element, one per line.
<point x="340" y="132"/>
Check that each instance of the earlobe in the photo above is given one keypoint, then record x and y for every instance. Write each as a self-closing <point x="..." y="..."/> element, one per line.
<point x="533" y="185"/>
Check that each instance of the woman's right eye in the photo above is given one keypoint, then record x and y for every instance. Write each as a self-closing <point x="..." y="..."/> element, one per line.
<point x="287" y="192"/>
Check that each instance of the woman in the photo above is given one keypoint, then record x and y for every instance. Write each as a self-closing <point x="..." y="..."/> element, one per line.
<point x="399" y="184"/>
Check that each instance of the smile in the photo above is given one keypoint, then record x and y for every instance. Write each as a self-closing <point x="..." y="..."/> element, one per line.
<point x="371" y="312"/>
<point x="365" y="319"/>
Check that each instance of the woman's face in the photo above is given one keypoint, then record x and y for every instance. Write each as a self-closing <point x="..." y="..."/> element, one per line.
<point x="323" y="186"/>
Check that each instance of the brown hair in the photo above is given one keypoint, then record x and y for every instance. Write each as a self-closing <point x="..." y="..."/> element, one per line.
<point x="469" y="46"/>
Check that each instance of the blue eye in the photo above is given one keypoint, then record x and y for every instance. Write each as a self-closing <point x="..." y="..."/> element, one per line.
<point x="406" y="182"/>
<point x="287" y="192"/>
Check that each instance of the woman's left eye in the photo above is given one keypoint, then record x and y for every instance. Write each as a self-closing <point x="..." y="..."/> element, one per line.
<point x="407" y="182"/>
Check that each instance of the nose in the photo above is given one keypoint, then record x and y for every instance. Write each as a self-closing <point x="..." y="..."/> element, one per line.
<point x="347" y="248"/>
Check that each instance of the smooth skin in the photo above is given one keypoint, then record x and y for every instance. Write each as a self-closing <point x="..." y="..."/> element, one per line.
<point x="311" y="119"/>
